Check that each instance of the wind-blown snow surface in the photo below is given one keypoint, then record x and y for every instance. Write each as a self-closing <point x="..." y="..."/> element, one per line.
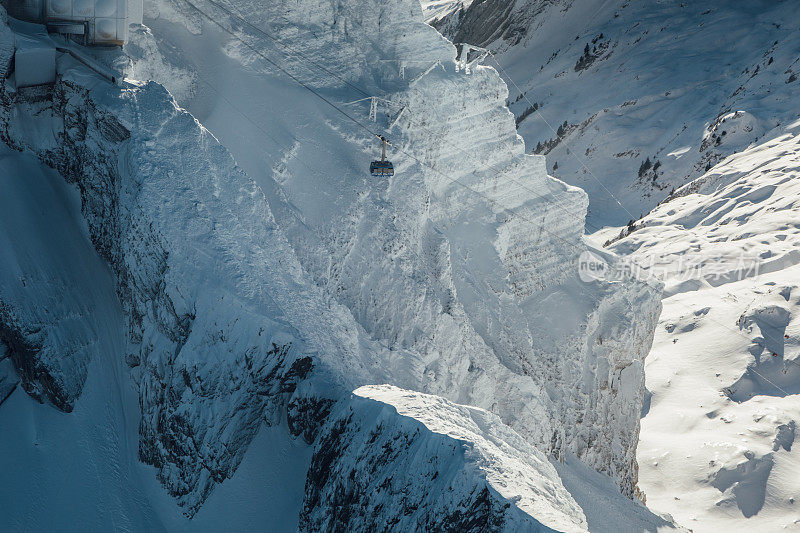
<point x="250" y="302"/>
<point x="717" y="447"/>
<point x="618" y="83"/>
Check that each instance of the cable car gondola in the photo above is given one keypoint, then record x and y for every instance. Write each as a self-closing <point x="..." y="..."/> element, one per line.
<point x="382" y="168"/>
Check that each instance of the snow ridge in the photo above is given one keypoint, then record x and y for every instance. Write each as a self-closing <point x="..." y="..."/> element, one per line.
<point x="409" y="460"/>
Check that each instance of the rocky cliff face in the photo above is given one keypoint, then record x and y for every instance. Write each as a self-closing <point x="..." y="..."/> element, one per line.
<point x="485" y="23"/>
<point x="245" y="308"/>
<point x="49" y="317"/>
<point x="356" y="483"/>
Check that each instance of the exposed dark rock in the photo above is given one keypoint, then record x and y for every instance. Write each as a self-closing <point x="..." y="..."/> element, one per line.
<point x="374" y="469"/>
<point x="8" y="376"/>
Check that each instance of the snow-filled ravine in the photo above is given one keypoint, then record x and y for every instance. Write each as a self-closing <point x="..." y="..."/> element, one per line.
<point x="718" y="442"/>
<point x="268" y="336"/>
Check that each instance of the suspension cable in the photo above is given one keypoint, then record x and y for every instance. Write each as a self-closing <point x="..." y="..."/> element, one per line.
<point x="491" y="201"/>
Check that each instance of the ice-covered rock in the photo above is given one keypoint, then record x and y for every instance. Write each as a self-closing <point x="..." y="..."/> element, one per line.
<point x="50" y="310"/>
<point x="468" y="257"/>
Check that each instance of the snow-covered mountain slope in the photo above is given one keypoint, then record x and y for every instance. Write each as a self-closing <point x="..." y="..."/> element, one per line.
<point x="49" y="317"/>
<point x="248" y="302"/>
<point x="635" y="99"/>
<point x="367" y="441"/>
<point x="717" y="446"/>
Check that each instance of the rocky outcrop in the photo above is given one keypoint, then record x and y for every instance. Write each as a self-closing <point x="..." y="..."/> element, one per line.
<point x="8" y="377"/>
<point x="45" y="321"/>
<point x="390" y="459"/>
<point x="53" y="310"/>
<point x="47" y="367"/>
<point x="483" y="23"/>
